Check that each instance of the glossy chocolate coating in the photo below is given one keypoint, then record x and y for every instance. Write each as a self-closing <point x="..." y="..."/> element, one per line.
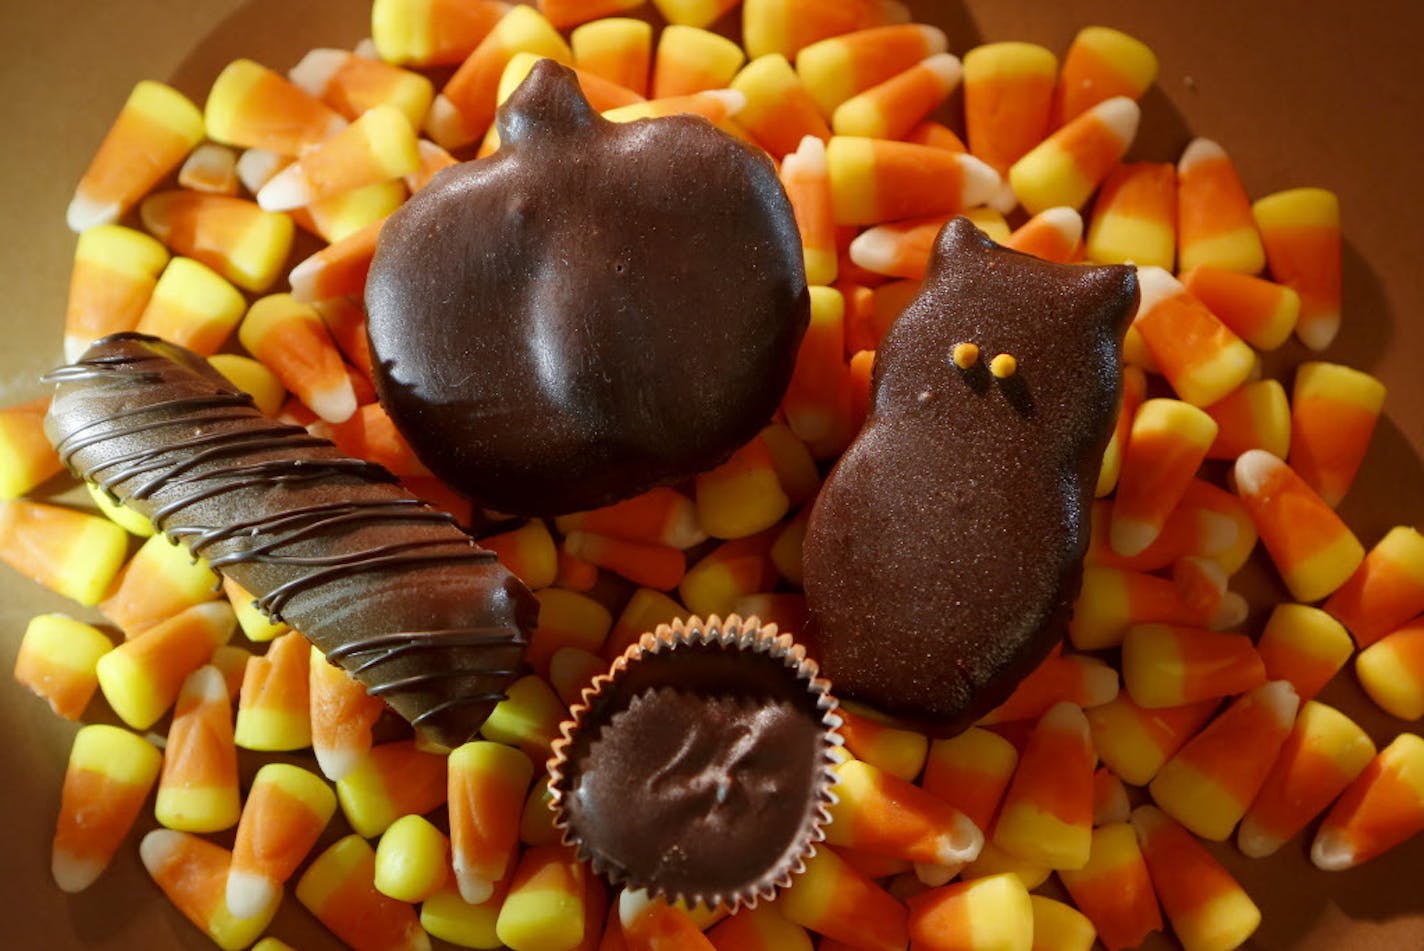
<point x="945" y="550"/>
<point x="593" y="310"/>
<point x="388" y="587"/>
<point x="698" y="773"/>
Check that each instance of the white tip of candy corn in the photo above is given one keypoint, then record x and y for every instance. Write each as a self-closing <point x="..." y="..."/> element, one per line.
<point x="933" y="876"/>
<point x="474" y="889"/>
<point x="1218" y="532"/>
<point x="249" y="895"/>
<point x="286" y="190"/>
<point x="337" y="764"/>
<point x="1197" y="152"/>
<point x="810" y="157"/>
<point x="304" y="278"/>
<point x="1120" y="116"/>
<point x="84" y="213"/>
<point x="1003" y="200"/>
<point x="1280" y="698"/>
<point x="206" y="684"/>
<point x="335" y="403"/>
<point x="961" y="843"/>
<point x="1154" y="285"/>
<point x="72" y="873"/>
<point x="936" y="41"/>
<point x="1319" y="332"/>
<point x="1256" y="843"/>
<point x="1231" y="613"/>
<point x="255" y="168"/>
<point x="1331" y="852"/>
<point x="1253" y="468"/>
<point x="947" y="67"/>
<point x="733" y="99"/>
<point x="874" y="250"/>
<point x="313" y="72"/>
<point x="158" y="847"/>
<point x="981" y="182"/>
<point x="631" y="904"/>
<point x="446" y="125"/>
<point x="1067" y="221"/>
<point x="1100" y="684"/>
<point x="366" y="49"/>
<point x="1129" y="536"/>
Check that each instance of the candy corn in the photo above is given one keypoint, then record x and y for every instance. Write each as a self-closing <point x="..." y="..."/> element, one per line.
<point x="536" y="822"/>
<point x="1114" y="890"/>
<point x="838" y="68"/>
<point x="394" y="780"/>
<point x="286" y="811"/>
<point x="191" y="872"/>
<point x="154" y="131"/>
<point x="544" y="907"/>
<point x="339" y="889"/>
<point x="873" y="181"/>
<point x="691" y="60"/>
<point x="1084" y="681"/>
<point x="1134" y="217"/>
<point x="1305" y="646"/>
<point x="742" y="496"/>
<point x="210" y="168"/>
<point x="1214" y="223"/>
<point x="142" y="677"/>
<point x="1008" y="93"/>
<point x="833" y="900"/>
<point x="890" y="109"/>
<point x="528" y="717"/>
<point x="252" y="378"/>
<point x="660" y="515"/>
<point x="432" y="32"/>
<point x="487" y="784"/>
<point x="1209" y="784"/>
<point x="377" y="147"/>
<point x="988" y="913"/>
<point x="1324" y="753"/>
<point x="566" y="619"/>
<point x="233" y="236"/>
<point x="1254" y="416"/>
<point x="1113" y="600"/>
<point x="342" y="215"/>
<point x="730" y="571"/>
<point x="1208" y="909"/>
<point x="193" y="306"/>
<point x="1386" y="590"/>
<point x="290" y="338"/>
<point x="160" y="580"/>
<point x="1047" y="813"/>
<point x="971" y="772"/>
<point x="1053" y="234"/>
<point x="115" y="272"/>
<point x="1204" y="495"/>
<point x="1200" y="356"/>
<point x="528" y="551"/>
<point x="1101" y="63"/>
<point x="58" y="661"/>
<point x="342" y="714"/>
<point x="447" y="916"/>
<point x="198" y="789"/>
<point x="274" y="710"/>
<point x="817" y="400"/>
<point x="571" y="670"/>
<point x="1168" y="441"/>
<point x="1066" y="167"/>
<point x="1060" y="927"/>
<point x="1314" y="551"/>
<point x="1300" y="229"/>
<point x="411" y="860"/>
<point x="1259" y="311"/>
<point x="901" y="753"/>
<point x="1134" y="742"/>
<point x="353" y="84"/>
<point x="786" y="26"/>
<point x="806" y="177"/>
<point x="465" y="107"/>
<point x="251" y="106"/>
<point x="1333" y="413"/>
<point x="1392" y="672"/>
<point x="759" y="929"/>
<point x="108" y="778"/>
<point x="618" y="49"/>
<point x="1383" y="807"/>
<point x="993" y="860"/>
<point x="1165" y="666"/>
<point x="880" y="813"/>
<point x="655" y="566"/>
<point x="779" y="111"/>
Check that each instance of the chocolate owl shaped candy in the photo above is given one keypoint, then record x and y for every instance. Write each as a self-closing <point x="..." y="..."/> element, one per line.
<point x="593" y="310"/>
<point x="945" y="550"/>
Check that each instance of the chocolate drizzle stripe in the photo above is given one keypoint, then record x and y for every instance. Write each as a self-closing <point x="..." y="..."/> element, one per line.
<point x="386" y="585"/>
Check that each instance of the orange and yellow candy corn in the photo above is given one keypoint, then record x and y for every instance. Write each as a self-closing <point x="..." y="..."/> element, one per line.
<point x="1166" y="666"/>
<point x="142" y="677"/>
<point x="1134" y="217"/>
<point x="837" y="68"/>
<point x="899" y="752"/>
<point x="115" y="271"/>
<point x="759" y="929"/>
<point x="882" y="814"/>
<point x="786" y="26"/>
<point x="690" y="60"/>
<point x="286" y="810"/>
<point x="412" y="860"/>
<point x="1114" y="890"/>
<point x="342" y="714"/>
<point x="1047" y="813"/>
<point x="528" y="551"/>
<point x="1300" y="229"/>
<point x="1392" y="671"/>
<point x="1060" y="927"/>
<point x="1134" y="742"/>
<point x="890" y="109"/>
<point x="1334" y="410"/>
<point x="197" y="791"/>
<point x="1008" y="94"/>
<point x="1209" y="784"/>
<point x="487" y="786"/>
<point x="1261" y="312"/>
<point x="162" y="579"/>
<point x="393" y="780"/>
<point x="1314" y="551"/>
<point x="432" y="32"/>
<point x="1101" y="63"/>
<point x="250" y="106"/>
<point x="618" y="49"/>
<point x="992" y="913"/>
<point x="528" y="717"/>
<point x="833" y="900"/>
<point x="1214" y="223"/>
<point x="874" y="181"/>
<point x="191" y="871"/>
<point x="233" y="236"/>
<point x="353" y="84"/>
<point x="779" y="112"/>
<point x="806" y="177"/>
<point x="1075" y="678"/>
<point x="109" y="775"/>
<point x="154" y="131"/>
<point x="1167" y="443"/>
<point x="339" y="889"/>
<point x="1256" y="415"/>
<point x="29" y="459"/>
<point x="544" y="906"/>
<point x="1324" y="753"/>
<point x="274" y="710"/>
<point x="1198" y="354"/>
<point x="377" y="147"/>
<point x="1053" y="234"/>
<point x="1066" y="167"/>
<point x="193" y="306"/>
<point x="1383" y="807"/>
<point x="58" y="660"/>
<point x="291" y="340"/>
<point x="1305" y="646"/>
<point x="1387" y="589"/>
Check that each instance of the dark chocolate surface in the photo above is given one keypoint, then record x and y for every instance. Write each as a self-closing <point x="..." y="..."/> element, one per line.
<point x="388" y="587"/>
<point x="945" y="550"/>
<point x="699" y="772"/>
<point x="593" y="310"/>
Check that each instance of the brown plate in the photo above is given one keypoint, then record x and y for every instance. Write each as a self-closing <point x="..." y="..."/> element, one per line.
<point x="1308" y="93"/>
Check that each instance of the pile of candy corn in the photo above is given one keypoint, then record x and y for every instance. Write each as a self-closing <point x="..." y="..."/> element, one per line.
<point x="186" y="217"/>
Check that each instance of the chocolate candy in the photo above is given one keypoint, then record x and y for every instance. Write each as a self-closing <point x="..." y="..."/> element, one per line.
<point x="387" y="586"/>
<point x="699" y="769"/>
<point x="945" y="551"/>
<point x="593" y="310"/>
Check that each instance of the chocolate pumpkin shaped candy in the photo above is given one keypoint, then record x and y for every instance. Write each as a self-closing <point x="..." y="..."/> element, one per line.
<point x="593" y="310"/>
<point x="945" y="551"/>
